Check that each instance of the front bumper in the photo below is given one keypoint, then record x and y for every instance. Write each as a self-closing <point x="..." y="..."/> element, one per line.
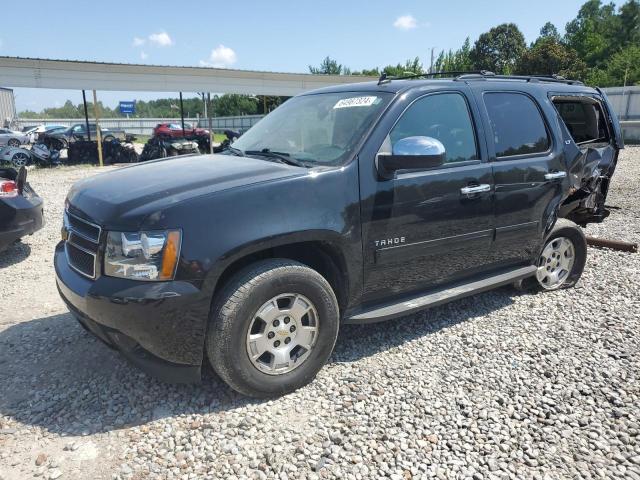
<point x="19" y="216"/>
<point x="158" y="326"/>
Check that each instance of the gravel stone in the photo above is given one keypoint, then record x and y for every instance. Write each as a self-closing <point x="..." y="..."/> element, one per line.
<point x="501" y="385"/>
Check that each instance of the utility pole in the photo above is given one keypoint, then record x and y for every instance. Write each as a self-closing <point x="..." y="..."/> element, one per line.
<point x="95" y="109"/>
<point x="431" y="66"/>
<point x="86" y="115"/>
<point x="182" y="114"/>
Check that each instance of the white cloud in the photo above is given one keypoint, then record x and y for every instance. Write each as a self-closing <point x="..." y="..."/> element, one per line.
<point x="143" y="55"/>
<point x="220" y="57"/>
<point x="161" y="39"/>
<point x="138" y="42"/>
<point x="405" y="22"/>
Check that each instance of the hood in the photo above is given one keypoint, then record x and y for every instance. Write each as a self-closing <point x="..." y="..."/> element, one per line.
<point x="125" y="197"/>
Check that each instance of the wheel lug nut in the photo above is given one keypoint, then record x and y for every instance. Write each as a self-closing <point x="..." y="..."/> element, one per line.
<point x="287" y="340"/>
<point x="287" y="319"/>
<point x="292" y="329"/>
<point x="270" y="335"/>
<point x="276" y="322"/>
<point x="276" y="343"/>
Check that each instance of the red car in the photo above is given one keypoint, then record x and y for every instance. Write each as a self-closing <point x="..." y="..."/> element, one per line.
<point x="175" y="130"/>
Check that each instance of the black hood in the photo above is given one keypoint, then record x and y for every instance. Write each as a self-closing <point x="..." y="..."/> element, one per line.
<point x="125" y="197"/>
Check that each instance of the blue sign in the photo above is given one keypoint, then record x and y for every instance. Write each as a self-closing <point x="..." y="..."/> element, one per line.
<point x="128" y="107"/>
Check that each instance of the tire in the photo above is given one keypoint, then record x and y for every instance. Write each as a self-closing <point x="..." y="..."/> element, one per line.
<point x="236" y="309"/>
<point x="20" y="159"/>
<point x="13" y="142"/>
<point x="108" y="138"/>
<point x="568" y="272"/>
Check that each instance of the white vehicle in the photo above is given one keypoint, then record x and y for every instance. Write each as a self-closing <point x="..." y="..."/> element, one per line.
<point x="12" y="138"/>
<point x="34" y="132"/>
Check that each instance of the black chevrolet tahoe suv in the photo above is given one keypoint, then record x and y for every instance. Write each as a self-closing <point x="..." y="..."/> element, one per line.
<point x="355" y="203"/>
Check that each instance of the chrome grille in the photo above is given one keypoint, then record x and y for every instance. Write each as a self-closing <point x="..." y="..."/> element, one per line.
<point x="81" y="245"/>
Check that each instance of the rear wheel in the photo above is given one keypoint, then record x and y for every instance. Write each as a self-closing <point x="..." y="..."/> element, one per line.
<point x="272" y="328"/>
<point x="562" y="259"/>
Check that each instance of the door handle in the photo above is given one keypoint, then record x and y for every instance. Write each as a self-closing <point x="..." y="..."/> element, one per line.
<point x="472" y="189"/>
<point x="555" y="175"/>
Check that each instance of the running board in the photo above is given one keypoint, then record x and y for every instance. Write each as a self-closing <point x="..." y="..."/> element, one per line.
<point x="439" y="297"/>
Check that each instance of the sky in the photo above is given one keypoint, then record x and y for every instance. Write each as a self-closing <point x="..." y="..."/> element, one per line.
<point x="283" y="36"/>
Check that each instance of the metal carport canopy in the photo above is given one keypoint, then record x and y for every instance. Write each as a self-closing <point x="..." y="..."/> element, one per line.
<point x="80" y="75"/>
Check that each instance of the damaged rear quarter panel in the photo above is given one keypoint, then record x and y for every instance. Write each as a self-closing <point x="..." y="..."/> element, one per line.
<point x="589" y="168"/>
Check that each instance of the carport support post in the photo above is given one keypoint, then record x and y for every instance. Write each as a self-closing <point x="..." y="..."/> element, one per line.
<point x="209" y="119"/>
<point x="86" y="115"/>
<point x="182" y="114"/>
<point x="95" y="110"/>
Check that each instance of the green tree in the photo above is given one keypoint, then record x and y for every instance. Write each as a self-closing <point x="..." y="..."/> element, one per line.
<point x="234" y="104"/>
<point x="549" y="30"/>
<point x="455" y="61"/>
<point x="329" y="66"/>
<point x="592" y="32"/>
<point x="499" y="49"/>
<point x="629" y="24"/>
<point x="368" y="72"/>
<point x="623" y="69"/>
<point x="410" y="67"/>
<point x="549" y="56"/>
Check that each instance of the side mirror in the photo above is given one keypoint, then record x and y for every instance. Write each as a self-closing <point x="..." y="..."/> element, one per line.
<point x="412" y="153"/>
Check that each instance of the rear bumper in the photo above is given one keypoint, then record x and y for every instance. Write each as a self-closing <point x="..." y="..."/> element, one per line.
<point x="158" y="326"/>
<point x="19" y="216"/>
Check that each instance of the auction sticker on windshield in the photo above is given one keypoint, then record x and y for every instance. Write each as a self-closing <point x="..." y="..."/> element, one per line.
<point x="356" y="102"/>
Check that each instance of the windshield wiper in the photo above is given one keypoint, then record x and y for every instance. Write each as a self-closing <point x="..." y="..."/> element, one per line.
<point x="283" y="157"/>
<point x="234" y="151"/>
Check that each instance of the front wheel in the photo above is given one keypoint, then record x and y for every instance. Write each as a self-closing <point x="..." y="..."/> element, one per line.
<point x="272" y="328"/>
<point x="13" y="142"/>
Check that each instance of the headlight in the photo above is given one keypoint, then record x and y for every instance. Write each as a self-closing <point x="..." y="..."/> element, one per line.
<point x="142" y="255"/>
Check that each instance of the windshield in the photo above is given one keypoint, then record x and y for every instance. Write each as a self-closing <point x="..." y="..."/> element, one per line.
<point x="320" y="129"/>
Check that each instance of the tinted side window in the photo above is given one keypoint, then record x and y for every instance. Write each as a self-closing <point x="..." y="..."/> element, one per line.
<point x="518" y="128"/>
<point x="445" y="117"/>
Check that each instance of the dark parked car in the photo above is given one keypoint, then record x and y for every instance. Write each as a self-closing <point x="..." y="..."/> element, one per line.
<point x="60" y="139"/>
<point x="357" y="203"/>
<point x="20" y="207"/>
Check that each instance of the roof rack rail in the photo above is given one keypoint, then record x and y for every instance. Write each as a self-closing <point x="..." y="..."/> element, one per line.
<point x="386" y="79"/>
<point x="527" y="78"/>
<point x="481" y="74"/>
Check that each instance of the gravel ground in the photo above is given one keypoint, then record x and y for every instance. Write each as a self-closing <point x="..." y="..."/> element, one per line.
<point x="501" y="385"/>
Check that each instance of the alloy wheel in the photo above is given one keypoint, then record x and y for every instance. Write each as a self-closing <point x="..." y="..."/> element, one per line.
<point x="282" y="334"/>
<point x="20" y="159"/>
<point x="555" y="263"/>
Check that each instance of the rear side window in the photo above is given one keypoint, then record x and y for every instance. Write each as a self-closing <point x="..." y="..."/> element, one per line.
<point x="583" y="118"/>
<point x="445" y="117"/>
<point x="518" y="127"/>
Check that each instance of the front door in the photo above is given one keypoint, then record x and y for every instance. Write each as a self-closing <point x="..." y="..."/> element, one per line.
<point x="425" y="228"/>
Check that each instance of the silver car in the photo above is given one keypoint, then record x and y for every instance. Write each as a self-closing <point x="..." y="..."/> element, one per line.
<point x="15" y="156"/>
<point x="12" y="138"/>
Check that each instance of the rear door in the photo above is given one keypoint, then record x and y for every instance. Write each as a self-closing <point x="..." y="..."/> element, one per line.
<point x="528" y="170"/>
<point x="433" y="226"/>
